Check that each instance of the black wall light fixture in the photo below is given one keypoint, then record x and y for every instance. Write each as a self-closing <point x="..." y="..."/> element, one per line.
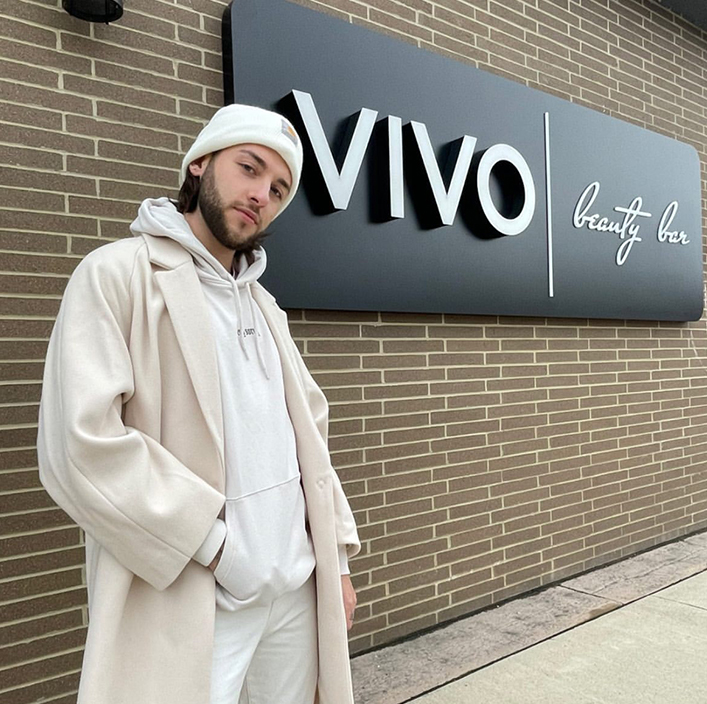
<point x="95" y="10"/>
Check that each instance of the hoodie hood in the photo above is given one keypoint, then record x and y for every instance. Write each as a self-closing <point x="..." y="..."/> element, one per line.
<point x="160" y="218"/>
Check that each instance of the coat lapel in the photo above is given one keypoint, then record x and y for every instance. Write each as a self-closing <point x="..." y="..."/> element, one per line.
<point x="190" y="319"/>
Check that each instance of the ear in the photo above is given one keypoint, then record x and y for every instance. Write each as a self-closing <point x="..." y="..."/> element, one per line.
<point x="198" y="166"/>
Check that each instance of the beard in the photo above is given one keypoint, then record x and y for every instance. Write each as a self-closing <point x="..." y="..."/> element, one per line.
<point x="213" y="211"/>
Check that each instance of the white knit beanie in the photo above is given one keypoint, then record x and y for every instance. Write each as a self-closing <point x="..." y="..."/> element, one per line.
<point x="247" y="124"/>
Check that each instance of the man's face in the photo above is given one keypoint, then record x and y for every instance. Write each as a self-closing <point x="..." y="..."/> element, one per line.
<point x="242" y="189"/>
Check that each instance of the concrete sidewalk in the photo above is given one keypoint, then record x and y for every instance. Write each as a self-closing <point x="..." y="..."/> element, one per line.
<point x="634" y="632"/>
<point x="652" y="651"/>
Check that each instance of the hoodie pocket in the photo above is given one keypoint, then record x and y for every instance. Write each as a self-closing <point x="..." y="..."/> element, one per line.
<point x="267" y="549"/>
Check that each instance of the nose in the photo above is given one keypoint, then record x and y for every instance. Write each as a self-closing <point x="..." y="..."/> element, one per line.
<point x="260" y="192"/>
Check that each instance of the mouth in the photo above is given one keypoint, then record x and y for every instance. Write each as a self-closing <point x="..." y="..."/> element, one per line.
<point x="248" y="215"/>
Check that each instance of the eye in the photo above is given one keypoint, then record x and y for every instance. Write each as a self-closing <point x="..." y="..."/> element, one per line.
<point x="276" y="192"/>
<point x="247" y="168"/>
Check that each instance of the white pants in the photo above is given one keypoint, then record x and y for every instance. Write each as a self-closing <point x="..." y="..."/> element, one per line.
<point x="267" y="654"/>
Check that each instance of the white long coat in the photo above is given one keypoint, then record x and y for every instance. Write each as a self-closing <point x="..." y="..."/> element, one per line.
<point x="131" y="446"/>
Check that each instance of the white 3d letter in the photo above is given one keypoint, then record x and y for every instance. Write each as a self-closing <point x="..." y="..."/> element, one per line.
<point x="491" y="157"/>
<point x="339" y="185"/>
<point x="447" y="201"/>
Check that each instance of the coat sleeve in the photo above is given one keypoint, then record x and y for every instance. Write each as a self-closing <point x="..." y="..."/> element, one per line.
<point x="122" y="487"/>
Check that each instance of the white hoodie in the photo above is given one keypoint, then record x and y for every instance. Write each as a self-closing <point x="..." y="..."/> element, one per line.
<point x="267" y="549"/>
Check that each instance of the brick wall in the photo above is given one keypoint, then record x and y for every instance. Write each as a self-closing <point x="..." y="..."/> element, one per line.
<point x="484" y="456"/>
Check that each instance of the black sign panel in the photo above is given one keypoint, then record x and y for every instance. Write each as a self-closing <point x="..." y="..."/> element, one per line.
<point x="432" y="186"/>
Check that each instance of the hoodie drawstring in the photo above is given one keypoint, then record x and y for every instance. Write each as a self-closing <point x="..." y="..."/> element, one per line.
<point x="258" y="343"/>
<point x="241" y="331"/>
<point x="239" y="318"/>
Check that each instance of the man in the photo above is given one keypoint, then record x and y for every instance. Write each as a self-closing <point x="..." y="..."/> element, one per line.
<point x="181" y="430"/>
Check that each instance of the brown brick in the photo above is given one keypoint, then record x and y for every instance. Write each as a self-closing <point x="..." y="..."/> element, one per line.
<point x="121" y="94"/>
<point x="25" y="31"/>
<point x="21" y="178"/>
<point x="146" y="174"/>
<point x="393" y="361"/>
<point x="42" y="648"/>
<point x="318" y="330"/>
<point x="387" y="573"/>
<point x="345" y="427"/>
<point x="42" y="690"/>
<point x="39" y="542"/>
<point x="47" y="222"/>
<point x="419" y="578"/>
<point x="32" y="586"/>
<point x="413" y="405"/>
<point x="25" y="523"/>
<point x="473" y="373"/>
<point x="351" y="441"/>
<point x="401" y="600"/>
<point x="409" y="346"/>
<point x="339" y="316"/>
<point x="403" y="421"/>
<point x="27" y="328"/>
<point x="386" y="483"/>
<point x="42" y="669"/>
<point x="333" y="362"/>
<point x="354" y="410"/>
<point x="397" y="451"/>
<point x="398" y="510"/>
<point x="346" y="457"/>
<point x="410" y="522"/>
<point x="399" y="436"/>
<point x="456" y="388"/>
<point x="471" y="595"/>
<point x="44" y="98"/>
<point x="200" y="110"/>
<point x="382" y="20"/>
<point x="342" y="346"/>
<point x="409" y="463"/>
<point x="448" y="29"/>
<point x="394" y="8"/>
<point x="40" y="627"/>
<point x="127" y="114"/>
<point x="32" y="158"/>
<point x="397" y="376"/>
<point x="107" y="129"/>
<point x="138" y="155"/>
<point x="111" y="230"/>
<point x="472" y="428"/>
<point x="450" y="331"/>
<point x="458" y="415"/>
<point x="367" y="501"/>
<point x="396" y="391"/>
<point x="57" y="560"/>
<point x="200" y="76"/>
<point x="124" y="52"/>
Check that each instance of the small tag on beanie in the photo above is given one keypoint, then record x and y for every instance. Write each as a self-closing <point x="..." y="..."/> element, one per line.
<point x="288" y="131"/>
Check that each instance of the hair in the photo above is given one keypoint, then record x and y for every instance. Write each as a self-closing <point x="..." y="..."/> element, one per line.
<point x="188" y="197"/>
<point x="188" y="194"/>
